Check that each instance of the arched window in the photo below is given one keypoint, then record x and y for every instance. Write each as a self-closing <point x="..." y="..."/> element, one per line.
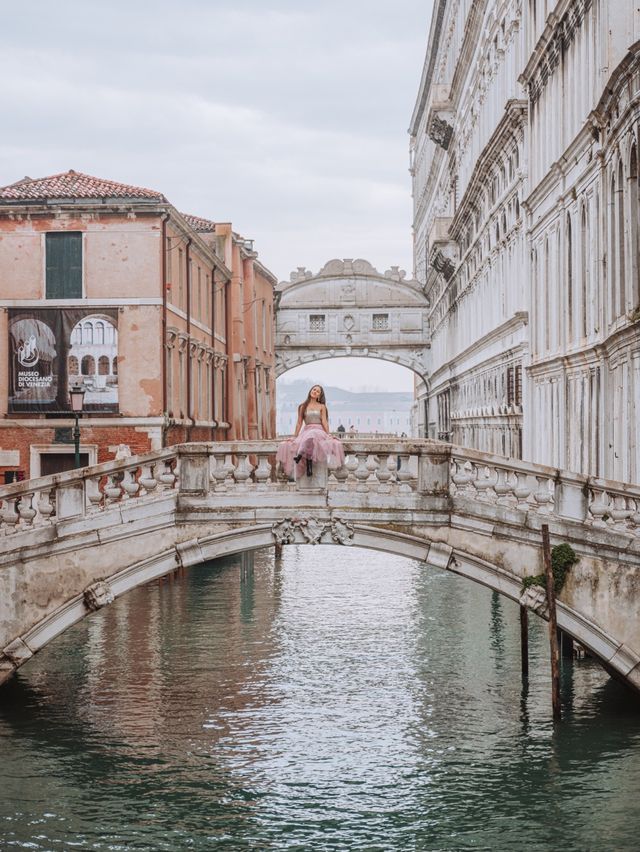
<point x="544" y="294"/>
<point x="613" y="244"/>
<point x="634" y="218"/>
<point x="87" y="332"/>
<point x="88" y="366"/>
<point x="103" y="365"/>
<point x="570" y="284"/>
<point x="72" y="367"/>
<point x="114" y="367"/>
<point x="622" y="301"/>
<point x="584" y="271"/>
<point x="99" y="336"/>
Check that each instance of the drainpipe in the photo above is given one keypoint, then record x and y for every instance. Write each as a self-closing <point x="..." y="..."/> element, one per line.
<point x="229" y="347"/>
<point x="188" y="280"/>
<point x="213" y="346"/>
<point x="163" y="348"/>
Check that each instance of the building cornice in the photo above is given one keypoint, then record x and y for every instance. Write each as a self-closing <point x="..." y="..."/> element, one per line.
<point x="519" y="320"/>
<point x="554" y="40"/>
<point x="513" y="120"/>
<point x="424" y="91"/>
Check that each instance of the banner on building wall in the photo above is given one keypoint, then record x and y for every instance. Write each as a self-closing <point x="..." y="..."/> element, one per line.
<point x="53" y="349"/>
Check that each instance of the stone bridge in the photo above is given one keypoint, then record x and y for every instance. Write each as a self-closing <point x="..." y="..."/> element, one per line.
<point x="72" y="543"/>
<point x="349" y="309"/>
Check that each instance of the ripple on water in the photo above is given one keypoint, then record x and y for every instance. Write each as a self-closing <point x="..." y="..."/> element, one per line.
<point x="338" y="698"/>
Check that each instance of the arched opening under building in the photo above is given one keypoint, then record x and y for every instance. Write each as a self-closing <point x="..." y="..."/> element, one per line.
<point x="367" y="396"/>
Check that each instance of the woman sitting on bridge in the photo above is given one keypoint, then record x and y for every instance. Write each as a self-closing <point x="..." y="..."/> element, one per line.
<point x="312" y="441"/>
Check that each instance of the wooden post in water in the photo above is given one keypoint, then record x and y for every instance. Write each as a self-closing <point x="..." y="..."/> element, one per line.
<point x="553" y="626"/>
<point x="524" y="640"/>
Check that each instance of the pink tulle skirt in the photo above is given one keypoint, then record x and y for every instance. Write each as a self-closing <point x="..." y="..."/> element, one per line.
<point x="312" y="443"/>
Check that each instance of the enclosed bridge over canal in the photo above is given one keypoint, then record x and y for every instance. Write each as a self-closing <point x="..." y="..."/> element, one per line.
<point x="73" y="542"/>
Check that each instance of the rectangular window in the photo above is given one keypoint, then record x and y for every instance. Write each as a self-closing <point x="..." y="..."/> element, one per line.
<point x="380" y="322"/>
<point x="519" y="385"/>
<point x="316" y="322"/>
<point x="511" y="385"/>
<point x="64" y="265"/>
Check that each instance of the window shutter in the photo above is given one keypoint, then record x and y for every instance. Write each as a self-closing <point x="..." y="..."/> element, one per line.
<point x="73" y="266"/>
<point x="54" y="249"/>
<point x="64" y="265"/>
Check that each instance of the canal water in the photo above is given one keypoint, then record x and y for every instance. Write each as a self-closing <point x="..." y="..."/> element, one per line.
<point x="333" y="699"/>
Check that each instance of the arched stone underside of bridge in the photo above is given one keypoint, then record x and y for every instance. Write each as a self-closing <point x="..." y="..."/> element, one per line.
<point x="74" y="542"/>
<point x="351" y="309"/>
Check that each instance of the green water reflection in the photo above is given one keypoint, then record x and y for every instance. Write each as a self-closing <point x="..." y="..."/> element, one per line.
<point x="334" y="699"/>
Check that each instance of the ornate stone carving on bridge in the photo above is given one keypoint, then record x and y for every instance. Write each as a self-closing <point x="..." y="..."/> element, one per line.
<point x="535" y="598"/>
<point x="312" y="531"/>
<point x="98" y="595"/>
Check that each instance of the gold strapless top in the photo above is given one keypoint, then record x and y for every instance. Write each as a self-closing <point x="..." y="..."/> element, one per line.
<point x="312" y="417"/>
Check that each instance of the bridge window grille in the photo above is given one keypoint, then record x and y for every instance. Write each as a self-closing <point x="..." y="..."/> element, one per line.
<point x="380" y="322"/>
<point x="317" y="322"/>
<point x="514" y="385"/>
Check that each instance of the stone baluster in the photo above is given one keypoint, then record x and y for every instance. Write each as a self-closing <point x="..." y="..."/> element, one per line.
<point x="25" y="509"/>
<point x="620" y="513"/>
<point x="486" y="478"/>
<point x="113" y="489"/>
<point x="341" y="475"/>
<point x="242" y="473"/>
<point x="384" y="474"/>
<point x="522" y="491"/>
<point x="262" y="473"/>
<point x="130" y="484"/>
<point x="461" y="475"/>
<point x="94" y="492"/>
<point x="599" y="508"/>
<point x="635" y="516"/>
<point x="46" y="506"/>
<point x="147" y="480"/>
<point x="403" y="474"/>
<point x="220" y="472"/>
<point x="543" y="495"/>
<point x="165" y="474"/>
<point x="503" y="488"/>
<point x="362" y="473"/>
<point x="9" y="514"/>
<point x="351" y="463"/>
<point x="373" y="463"/>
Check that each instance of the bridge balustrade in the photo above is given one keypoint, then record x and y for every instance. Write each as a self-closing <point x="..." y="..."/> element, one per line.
<point x="388" y="472"/>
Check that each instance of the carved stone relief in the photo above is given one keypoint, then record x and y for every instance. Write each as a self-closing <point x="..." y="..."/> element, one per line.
<point x="312" y="531"/>
<point x="98" y="595"/>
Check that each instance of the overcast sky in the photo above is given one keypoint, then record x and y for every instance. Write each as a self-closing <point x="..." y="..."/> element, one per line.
<point x="287" y="117"/>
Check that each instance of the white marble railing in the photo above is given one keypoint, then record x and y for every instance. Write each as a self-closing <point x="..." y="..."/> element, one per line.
<point x="396" y="468"/>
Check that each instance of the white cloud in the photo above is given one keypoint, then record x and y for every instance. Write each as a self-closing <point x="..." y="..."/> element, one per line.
<point x="286" y="117"/>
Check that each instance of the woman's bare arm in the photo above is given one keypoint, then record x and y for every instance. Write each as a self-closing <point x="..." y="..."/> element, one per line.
<point x="299" y="423"/>
<point x="323" y="418"/>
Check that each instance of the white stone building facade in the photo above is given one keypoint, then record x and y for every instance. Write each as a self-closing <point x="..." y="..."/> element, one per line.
<point x="524" y="147"/>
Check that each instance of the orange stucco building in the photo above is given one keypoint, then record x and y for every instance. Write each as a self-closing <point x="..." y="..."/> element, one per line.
<point x="165" y="320"/>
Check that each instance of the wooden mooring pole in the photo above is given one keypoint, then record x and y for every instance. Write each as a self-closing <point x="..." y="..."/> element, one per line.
<point x="524" y="640"/>
<point x="553" y="626"/>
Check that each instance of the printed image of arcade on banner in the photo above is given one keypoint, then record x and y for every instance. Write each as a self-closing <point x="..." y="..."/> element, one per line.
<point x="53" y="349"/>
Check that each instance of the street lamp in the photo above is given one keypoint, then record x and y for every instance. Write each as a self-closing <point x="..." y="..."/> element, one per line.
<point x="76" y="395"/>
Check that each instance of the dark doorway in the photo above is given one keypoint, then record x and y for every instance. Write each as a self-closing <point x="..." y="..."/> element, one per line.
<point x="59" y="462"/>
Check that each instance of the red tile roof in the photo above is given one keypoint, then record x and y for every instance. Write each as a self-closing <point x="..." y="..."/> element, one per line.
<point x="200" y="224"/>
<point x="73" y="185"/>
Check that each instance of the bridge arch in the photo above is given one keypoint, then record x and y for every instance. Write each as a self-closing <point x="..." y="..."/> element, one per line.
<point x="198" y="551"/>
<point x="349" y="309"/>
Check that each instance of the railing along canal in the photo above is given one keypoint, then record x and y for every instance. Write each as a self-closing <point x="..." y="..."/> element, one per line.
<point x="396" y="468"/>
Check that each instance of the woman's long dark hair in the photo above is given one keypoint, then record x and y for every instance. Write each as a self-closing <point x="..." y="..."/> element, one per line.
<point x="302" y="408"/>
